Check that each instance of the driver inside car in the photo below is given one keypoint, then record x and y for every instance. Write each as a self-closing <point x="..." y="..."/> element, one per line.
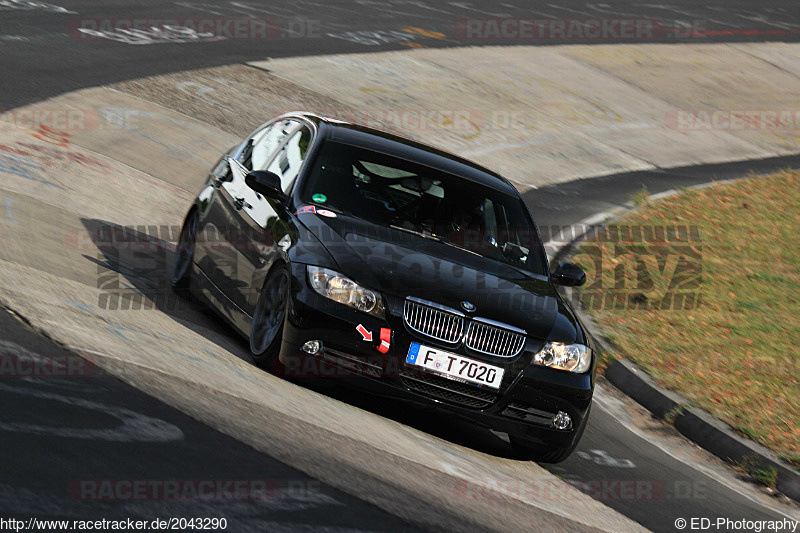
<point x="466" y="228"/>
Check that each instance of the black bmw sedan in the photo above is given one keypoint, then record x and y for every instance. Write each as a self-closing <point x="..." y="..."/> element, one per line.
<point x="341" y="250"/>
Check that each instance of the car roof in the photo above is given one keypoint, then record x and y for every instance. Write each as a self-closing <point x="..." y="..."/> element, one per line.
<point x="396" y="145"/>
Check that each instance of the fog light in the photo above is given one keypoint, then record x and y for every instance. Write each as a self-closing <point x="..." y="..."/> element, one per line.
<point x="312" y="347"/>
<point x="562" y="420"/>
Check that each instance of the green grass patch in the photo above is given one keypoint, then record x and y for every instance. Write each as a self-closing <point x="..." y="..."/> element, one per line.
<point x="736" y="354"/>
<point x="640" y="197"/>
<point x="766" y="476"/>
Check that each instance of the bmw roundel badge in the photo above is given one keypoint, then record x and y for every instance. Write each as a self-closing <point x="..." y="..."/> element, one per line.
<point x="468" y="306"/>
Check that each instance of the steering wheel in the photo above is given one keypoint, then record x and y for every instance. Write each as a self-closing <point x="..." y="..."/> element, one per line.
<point x="376" y="185"/>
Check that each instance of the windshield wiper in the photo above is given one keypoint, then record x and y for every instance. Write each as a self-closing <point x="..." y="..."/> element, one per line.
<point x="437" y="239"/>
<point x="419" y="233"/>
<point x="473" y="252"/>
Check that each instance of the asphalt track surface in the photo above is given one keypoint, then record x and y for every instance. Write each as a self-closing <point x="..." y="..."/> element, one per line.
<point x="41" y="57"/>
<point x="43" y="54"/>
<point x="67" y="455"/>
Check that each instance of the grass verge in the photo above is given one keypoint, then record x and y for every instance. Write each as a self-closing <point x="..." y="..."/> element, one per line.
<point x="703" y="291"/>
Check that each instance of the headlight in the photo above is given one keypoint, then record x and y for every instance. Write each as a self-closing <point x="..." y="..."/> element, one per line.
<point x="345" y="291"/>
<point x="572" y="357"/>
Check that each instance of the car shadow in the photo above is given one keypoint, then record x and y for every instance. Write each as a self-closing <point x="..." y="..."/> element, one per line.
<point x="428" y="420"/>
<point x="134" y="267"/>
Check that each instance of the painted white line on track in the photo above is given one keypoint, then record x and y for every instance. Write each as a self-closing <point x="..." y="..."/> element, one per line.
<point x="612" y="407"/>
<point x="603" y="399"/>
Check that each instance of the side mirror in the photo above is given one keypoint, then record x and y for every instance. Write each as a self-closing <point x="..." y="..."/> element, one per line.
<point x="568" y="275"/>
<point x="267" y="183"/>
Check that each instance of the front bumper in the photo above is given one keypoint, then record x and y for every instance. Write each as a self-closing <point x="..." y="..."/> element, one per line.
<point x="524" y="406"/>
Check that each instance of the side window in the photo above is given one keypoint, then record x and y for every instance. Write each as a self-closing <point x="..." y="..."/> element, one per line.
<point x="289" y="160"/>
<point x="261" y="148"/>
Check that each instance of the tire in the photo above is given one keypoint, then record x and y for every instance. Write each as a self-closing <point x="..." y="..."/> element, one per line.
<point x="266" y="329"/>
<point x="542" y="453"/>
<point x="184" y="255"/>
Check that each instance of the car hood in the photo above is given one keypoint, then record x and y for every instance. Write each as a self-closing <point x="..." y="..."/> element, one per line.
<point x="401" y="264"/>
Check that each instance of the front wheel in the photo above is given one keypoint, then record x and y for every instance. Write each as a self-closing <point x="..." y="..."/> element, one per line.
<point x="184" y="255"/>
<point x="266" y="329"/>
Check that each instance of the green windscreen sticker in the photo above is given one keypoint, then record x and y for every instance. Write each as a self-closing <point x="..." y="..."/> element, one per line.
<point x="319" y="198"/>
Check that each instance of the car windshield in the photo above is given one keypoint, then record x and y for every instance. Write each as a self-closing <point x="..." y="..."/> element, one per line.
<point x="390" y="191"/>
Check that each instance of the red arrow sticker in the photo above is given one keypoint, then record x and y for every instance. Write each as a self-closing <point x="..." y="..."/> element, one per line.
<point x="365" y="333"/>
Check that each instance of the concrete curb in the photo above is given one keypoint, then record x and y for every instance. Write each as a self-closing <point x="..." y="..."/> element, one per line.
<point x="693" y="423"/>
<point x="700" y="427"/>
<point x="637" y="384"/>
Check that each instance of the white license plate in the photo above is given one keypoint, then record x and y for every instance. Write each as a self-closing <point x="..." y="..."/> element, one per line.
<point x="454" y="366"/>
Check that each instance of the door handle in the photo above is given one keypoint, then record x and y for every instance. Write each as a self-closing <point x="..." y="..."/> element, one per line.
<point x="239" y="203"/>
